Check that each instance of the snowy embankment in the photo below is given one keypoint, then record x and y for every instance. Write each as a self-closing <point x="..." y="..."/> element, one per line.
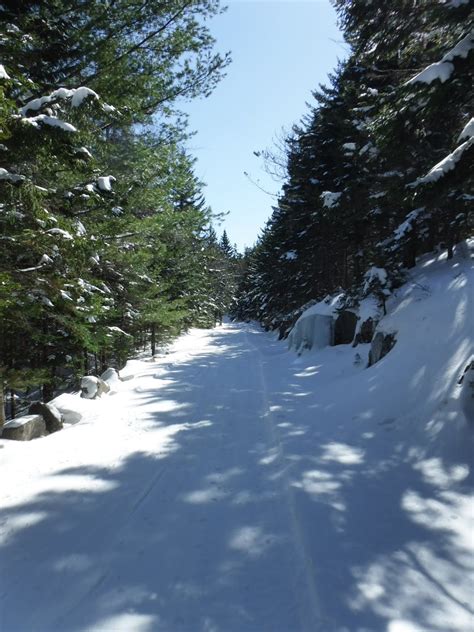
<point x="232" y="486"/>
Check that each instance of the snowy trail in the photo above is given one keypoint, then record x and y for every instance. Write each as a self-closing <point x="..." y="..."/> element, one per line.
<point x="191" y="528"/>
<point x="232" y="487"/>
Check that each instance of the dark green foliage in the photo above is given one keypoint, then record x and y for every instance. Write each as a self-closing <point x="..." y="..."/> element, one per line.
<point x="103" y="240"/>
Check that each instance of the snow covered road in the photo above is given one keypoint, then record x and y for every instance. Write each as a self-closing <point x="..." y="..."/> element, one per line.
<point x="227" y="488"/>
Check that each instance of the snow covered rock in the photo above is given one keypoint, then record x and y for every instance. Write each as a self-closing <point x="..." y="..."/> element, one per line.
<point x="24" y="428"/>
<point x="381" y="345"/>
<point x="92" y="387"/>
<point x="111" y="377"/>
<point x="51" y="415"/>
<point x="71" y="407"/>
<point x="467" y="393"/>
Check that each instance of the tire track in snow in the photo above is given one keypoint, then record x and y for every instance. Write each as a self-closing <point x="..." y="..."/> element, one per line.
<point x="315" y="619"/>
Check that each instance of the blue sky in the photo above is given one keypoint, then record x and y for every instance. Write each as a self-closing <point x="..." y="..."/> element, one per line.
<point x="281" y="51"/>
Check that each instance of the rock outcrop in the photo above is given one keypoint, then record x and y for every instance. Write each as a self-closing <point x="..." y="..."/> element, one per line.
<point x="381" y="345"/>
<point x="366" y="332"/>
<point x="24" y="428"/>
<point x="344" y="327"/>
<point x="51" y="415"/>
<point x="93" y="387"/>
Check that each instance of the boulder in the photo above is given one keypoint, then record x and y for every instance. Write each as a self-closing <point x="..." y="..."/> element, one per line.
<point x="93" y="387"/>
<point x="51" y="415"/>
<point x="381" y="345"/>
<point x="344" y="328"/>
<point x="366" y="332"/>
<point x="24" y="428"/>
<point x="110" y="374"/>
<point x="111" y="377"/>
<point x="71" y="407"/>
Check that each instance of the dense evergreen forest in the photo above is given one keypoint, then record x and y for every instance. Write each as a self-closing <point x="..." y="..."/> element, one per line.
<point x="107" y="242"/>
<point x="379" y="170"/>
<point x="106" y="239"/>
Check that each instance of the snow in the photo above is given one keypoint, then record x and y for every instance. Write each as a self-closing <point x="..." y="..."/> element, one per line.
<point x="84" y="151"/>
<point x="59" y="231"/>
<point x="65" y="295"/>
<point x="81" y="94"/>
<point x="349" y="147"/>
<point x="118" y="331"/>
<point x="330" y="198"/>
<point x="12" y="177"/>
<point x="369" y="307"/>
<point x="232" y="486"/>
<point x="19" y="421"/>
<point x="45" y="260"/>
<point x="443" y="69"/>
<point x="105" y="183"/>
<point x="468" y="130"/>
<point x="52" y="121"/>
<point x="291" y="255"/>
<point x="444" y="166"/>
<point x="75" y="95"/>
<point x="374" y="274"/>
<point x="407" y="224"/>
<point x="3" y="72"/>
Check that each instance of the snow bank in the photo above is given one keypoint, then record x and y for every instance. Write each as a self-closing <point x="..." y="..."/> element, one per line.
<point x="73" y="408"/>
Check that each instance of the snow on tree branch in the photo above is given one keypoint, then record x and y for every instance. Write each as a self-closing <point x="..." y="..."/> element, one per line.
<point x="444" y="68"/>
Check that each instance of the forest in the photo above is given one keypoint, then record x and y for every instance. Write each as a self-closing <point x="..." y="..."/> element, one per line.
<point x="197" y="439"/>
<point x="378" y="171"/>
<point x="107" y="243"/>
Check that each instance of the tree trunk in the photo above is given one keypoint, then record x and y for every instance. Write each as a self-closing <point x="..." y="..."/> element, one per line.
<point x="153" y="339"/>
<point x="103" y="361"/>
<point x="2" y="407"/>
<point x="12" y="404"/>
<point x="47" y="392"/>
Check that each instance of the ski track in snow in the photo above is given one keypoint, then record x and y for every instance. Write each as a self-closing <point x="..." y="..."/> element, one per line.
<point x="231" y="486"/>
